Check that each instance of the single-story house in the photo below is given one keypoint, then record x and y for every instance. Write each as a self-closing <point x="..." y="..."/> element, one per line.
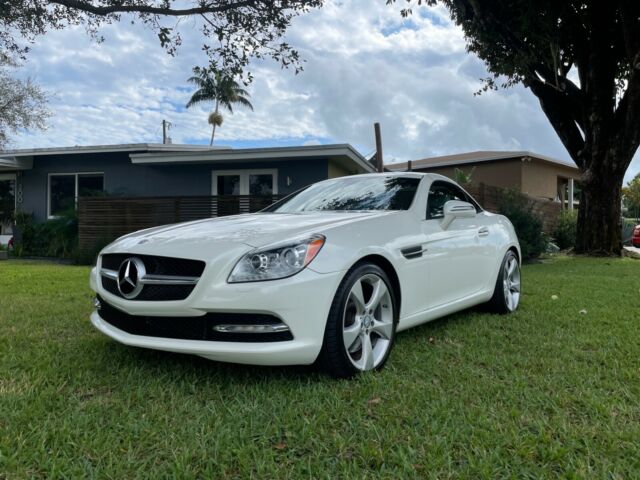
<point x="533" y="174"/>
<point x="47" y="181"/>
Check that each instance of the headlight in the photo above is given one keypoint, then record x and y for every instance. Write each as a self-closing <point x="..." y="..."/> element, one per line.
<point x="274" y="262"/>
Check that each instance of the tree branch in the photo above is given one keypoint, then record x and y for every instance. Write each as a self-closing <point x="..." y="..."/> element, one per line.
<point x="560" y="113"/>
<point x="143" y="8"/>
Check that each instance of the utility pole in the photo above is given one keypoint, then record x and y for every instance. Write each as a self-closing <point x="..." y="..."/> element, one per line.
<point x="165" y="128"/>
<point x="379" y="159"/>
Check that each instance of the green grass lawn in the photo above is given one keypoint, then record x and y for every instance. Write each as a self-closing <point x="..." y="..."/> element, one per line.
<point x="545" y="392"/>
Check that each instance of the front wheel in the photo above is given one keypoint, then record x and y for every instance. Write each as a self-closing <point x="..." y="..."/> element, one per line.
<point x="506" y="295"/>
<point x="361" y="326"/>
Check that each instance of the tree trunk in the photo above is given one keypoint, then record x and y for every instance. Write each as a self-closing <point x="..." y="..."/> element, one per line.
<point x="599" y="230"/>
<point x="213" y="130"/>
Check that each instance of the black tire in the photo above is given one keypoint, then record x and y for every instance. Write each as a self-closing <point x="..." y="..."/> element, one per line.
<point x="499" y="303"/>
<point x="334" y="358"/>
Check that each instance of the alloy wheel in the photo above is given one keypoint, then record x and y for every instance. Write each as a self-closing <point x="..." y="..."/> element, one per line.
<point x="511" y="283"/>
<point x="368" y="327"/>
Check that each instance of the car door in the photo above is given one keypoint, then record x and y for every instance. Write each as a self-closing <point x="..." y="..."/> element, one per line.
<point x="456" y="256"/>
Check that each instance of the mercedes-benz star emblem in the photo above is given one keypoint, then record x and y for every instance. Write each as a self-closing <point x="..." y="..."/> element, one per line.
<point x="130" y="274"/>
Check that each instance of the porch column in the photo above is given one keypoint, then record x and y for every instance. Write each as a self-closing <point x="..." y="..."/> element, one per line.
<point x="570" y="194"/>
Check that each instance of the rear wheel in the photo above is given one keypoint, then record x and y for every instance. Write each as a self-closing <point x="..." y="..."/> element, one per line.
<point x="506" y="295"/>
<point x="362" y="323"/>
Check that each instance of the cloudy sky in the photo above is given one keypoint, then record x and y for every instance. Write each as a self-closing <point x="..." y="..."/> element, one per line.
<point x="364" y="63"/>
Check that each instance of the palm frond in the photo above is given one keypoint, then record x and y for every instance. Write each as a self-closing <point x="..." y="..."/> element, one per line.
<point x="200" y="96"/>
<point x="244" y="102"/>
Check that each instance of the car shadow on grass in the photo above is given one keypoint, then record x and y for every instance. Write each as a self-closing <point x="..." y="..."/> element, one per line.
<point x="121" y="359"/>
<point x="178" y="365"/>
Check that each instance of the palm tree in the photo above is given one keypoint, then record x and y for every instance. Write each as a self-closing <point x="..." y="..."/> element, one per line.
<point x="224" y="91"/>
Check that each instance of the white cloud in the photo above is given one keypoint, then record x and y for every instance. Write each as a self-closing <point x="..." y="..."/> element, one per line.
<point x="364" y="64"/>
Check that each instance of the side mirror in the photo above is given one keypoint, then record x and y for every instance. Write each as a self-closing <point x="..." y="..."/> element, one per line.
<point x="457" y="209"/>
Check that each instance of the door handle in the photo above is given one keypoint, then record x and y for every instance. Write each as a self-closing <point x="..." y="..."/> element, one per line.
<point x="483" y="232"/>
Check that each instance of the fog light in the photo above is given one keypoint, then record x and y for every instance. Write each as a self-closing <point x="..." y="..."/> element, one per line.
<point x="275" y="328"/>
<point x="96" y="304"/>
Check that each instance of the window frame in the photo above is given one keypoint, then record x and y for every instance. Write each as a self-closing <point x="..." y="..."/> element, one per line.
<point x="244" y="175"/>
<point x="14" y="177"/>
<point x="466" y="195"/>
<point x="76" y="175"/>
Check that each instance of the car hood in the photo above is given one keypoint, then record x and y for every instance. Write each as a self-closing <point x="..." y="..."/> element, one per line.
<point x="228" y="233"/>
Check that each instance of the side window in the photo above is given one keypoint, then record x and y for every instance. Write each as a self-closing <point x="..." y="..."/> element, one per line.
<point x="439" y="194"/>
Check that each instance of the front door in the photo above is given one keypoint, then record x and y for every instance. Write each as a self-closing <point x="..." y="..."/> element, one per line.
<point x="7" y="202"/>
<point x="241" y="191"/>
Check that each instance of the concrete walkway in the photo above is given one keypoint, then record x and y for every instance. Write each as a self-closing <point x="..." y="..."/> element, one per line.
<point x="632" y="252"/>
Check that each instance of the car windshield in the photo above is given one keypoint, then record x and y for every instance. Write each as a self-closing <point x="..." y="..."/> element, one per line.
<point x="375" y="192"/>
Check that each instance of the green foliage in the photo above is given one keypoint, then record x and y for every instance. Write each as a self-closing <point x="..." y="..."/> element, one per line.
<point x="462" y="177"/>
<point x="23" y="104"/>
<point x="627" y="229"/>
<point x="232" y="33"/>
<point x="565" y="232"/>
<point x="528" y="226"/>
<point x="631" y="197"/>
<point x="223" y="91"/>
<point x="55" y="238"/>
<point x="89" y="256"/>
<point x="580" y="59"/>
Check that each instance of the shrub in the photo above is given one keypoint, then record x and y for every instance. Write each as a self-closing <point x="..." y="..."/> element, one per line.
<point x="55" y="238"/>
<point x="565" y="232"/>
<point x="528" y="226"/>
<point x="88" y="256"/>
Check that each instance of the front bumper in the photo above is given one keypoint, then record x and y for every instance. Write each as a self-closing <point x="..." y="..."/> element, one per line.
<point x="302" y="302"/>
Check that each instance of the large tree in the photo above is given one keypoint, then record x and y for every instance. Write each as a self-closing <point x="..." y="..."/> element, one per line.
<point x="581" y="59"/>
<point x="23" y="105"/>
<point x="233" y="31"/>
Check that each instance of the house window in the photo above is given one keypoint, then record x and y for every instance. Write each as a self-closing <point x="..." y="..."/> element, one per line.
<point x="65" y="188"/>
<point x="245" y="182"/>
<point x="7" y="202"/>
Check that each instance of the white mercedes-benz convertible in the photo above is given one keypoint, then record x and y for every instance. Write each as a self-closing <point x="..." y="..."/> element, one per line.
<point x="329" y="274"/>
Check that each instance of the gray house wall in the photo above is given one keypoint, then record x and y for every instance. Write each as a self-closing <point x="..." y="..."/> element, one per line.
<point x="122" y="178"/>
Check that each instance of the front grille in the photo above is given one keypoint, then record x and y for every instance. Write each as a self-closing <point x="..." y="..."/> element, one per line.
<point x="193" y="328"/>
<point x="180" y="267"/>
<point x="155" y="265"/>
<point x="152" y="293"/>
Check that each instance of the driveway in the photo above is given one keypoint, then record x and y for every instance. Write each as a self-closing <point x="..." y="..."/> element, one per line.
<point x="633" y="252"/>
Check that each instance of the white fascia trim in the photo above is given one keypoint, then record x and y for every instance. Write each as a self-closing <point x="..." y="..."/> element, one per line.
<point x="254" y="154"/>
<point x="13" y="163"/>
<point x="127" y="147"/>
<point x="480" y="159"/>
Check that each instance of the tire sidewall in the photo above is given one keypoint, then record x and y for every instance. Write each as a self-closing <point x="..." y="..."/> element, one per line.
<point x="499" y="284"/>
<point x="336" y="315"/>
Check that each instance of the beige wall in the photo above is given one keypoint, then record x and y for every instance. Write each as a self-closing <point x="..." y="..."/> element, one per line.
<point x="540" y="179"/>
<point x="531" y="176"/>
<point x="336" y="170"/>
<point x="505" y="174"/>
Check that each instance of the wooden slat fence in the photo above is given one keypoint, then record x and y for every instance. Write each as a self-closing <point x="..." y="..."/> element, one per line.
<point x="490" y="198"/>
<point x="103" y="219"/>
